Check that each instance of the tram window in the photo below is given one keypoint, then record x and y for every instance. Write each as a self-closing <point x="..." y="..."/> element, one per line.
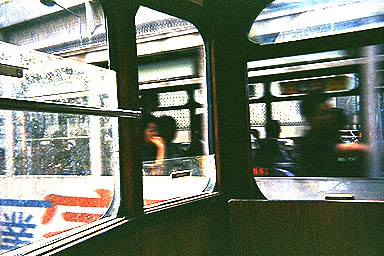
<point x="285" y="20"/>
<point x="315" y="69"/>
<point x="58" y="129"/>
<point x="301" y="86"/>
<point x="349" y="90"/>
<point x="167" y="69"/>
<point x="174" y="95"/>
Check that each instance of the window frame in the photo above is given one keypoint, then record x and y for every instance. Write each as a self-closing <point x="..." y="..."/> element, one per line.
<point x="128" y="112"/>
<point x="353" y="40"/>
<point x="126" y="68"/>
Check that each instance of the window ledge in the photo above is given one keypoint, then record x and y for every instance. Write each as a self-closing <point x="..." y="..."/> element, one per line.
<point x="69" y="238"/>
<point x="179" y="201"/>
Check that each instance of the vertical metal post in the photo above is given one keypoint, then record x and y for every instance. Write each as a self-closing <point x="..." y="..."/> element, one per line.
<point x="123" y="59"/>
<point x="371" y="111"/>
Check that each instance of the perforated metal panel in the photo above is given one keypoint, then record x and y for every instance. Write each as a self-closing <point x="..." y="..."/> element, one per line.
<point x="257" y="113"/>
<point x="171" y="99"/>
<point x="287" y="113"/>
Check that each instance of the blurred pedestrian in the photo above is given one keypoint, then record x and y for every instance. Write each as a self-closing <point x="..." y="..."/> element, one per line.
<point x="322" y="145"/>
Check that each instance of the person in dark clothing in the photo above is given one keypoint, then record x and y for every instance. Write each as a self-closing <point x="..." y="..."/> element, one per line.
<point x="322" y="145"/>
<point x="271" y="151"/>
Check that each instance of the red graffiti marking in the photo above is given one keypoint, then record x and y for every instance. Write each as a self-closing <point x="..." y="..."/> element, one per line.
<point x="149" y="201"/>
<point x="81" y="217"/>
<point x="102" y="202"/>
<point x="86" y="217"/>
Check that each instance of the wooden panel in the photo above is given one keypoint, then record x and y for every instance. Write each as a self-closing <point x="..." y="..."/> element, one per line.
<point x="197" y="228"/>
<point x="306" y="227"/>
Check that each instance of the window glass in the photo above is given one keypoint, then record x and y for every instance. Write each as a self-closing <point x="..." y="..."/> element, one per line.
<point x="321" y="127"/>
<point x="58" y="171"/>
<point x="47" y="78"/>
<point x="285" y="20"/>
<point x="293" y="127"/>
<point x="316" y="143"/>
<point x="167" y="69"/>
<point x="58" y="134"/>
<point x="321" y="188"/>
<point x="176" y="159"/>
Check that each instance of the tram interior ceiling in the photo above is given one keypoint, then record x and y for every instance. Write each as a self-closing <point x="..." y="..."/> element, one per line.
<point x="183" y="127"/>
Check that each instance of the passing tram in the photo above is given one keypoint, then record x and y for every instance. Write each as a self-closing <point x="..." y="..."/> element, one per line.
<point x="78" y="77"/>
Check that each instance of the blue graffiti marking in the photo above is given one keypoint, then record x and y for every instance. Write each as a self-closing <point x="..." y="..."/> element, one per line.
<point x="15" y="233"/>
<point x="25" y="203"/>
